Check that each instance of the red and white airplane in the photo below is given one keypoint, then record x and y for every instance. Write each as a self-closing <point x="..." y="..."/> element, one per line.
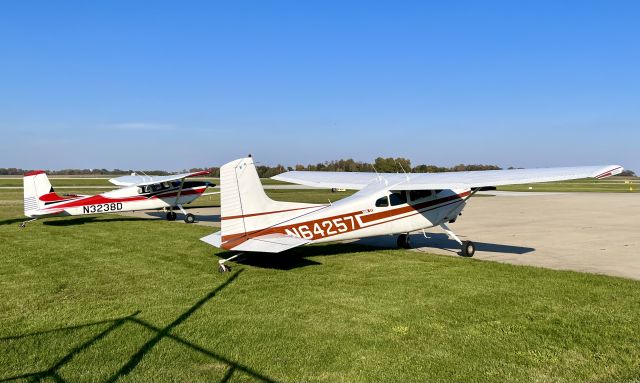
<point x="135" y="193"/>
<point x="386" y="203"/>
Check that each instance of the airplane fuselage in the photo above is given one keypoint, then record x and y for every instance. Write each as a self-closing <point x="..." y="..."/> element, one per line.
<point x="360" y="215"/>
<point x="130" y="198"/>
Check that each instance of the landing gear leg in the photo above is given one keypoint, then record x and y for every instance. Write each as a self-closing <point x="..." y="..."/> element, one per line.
<point x="468" y="247"/>
<point x="404" y="241"/>
<point x="188" y="217"/>
<point x="24" y="224"/>
<point x="225" y="269"/>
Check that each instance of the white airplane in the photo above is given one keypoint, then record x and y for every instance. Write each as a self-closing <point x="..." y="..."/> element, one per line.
<point x="135" y="193"/>
<point x="386" y="203"/>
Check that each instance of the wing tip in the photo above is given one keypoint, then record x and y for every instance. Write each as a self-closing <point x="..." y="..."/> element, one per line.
<point x="609" y="171"/>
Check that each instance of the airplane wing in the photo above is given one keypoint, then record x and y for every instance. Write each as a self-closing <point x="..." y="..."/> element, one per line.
<point x="148" y="180"/>
<point x="268" y="243"/>
<point x="447" y="180"/>
<point x="271" y="243"/>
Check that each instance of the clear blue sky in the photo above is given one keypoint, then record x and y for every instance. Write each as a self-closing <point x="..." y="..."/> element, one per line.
<point x="171" y="85"/>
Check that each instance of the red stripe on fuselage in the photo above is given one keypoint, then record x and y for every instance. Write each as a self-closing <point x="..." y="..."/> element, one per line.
<point x="54" y="197"/>
<point x="100" y="199"/>
<point x="267" y="212"/>
<point x="232" y="240"/>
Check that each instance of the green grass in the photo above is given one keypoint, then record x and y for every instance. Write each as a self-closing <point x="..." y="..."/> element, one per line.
<point x="112" y="298"/>
<point x="607" y="185"/>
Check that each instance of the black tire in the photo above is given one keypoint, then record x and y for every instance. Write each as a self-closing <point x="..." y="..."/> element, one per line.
<point x="468" y="249"/>
<point x="171" y="216"/>
<point x="189" y="218"/>
<point x="404" y="242"/>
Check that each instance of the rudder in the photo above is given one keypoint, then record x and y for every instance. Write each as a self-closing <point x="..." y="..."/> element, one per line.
<point x="244" y="206"/>
<point x="35" y="185"/>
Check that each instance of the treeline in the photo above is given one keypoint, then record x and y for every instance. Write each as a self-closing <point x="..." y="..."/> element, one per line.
<point x="381" y="165"/>
<point x="74" y="172"/>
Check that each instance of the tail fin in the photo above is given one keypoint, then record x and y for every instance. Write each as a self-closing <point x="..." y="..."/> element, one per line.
<point x="245" y="207"/>
<point x="36" y="184"/>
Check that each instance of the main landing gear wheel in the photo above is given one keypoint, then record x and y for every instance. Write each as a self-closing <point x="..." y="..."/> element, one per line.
<point x="468" y="249"/>
<point x="404" y="242"/>
<point x="189" y="218"/>
<point x="171" y="216"/>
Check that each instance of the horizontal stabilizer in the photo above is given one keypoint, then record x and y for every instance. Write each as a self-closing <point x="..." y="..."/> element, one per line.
<point x="46" y="213"/>
<point x="213" y="239"/>
<point x="271" y="243"/>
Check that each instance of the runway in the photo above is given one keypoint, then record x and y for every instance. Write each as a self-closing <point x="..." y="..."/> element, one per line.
<point x="587" y="232"/>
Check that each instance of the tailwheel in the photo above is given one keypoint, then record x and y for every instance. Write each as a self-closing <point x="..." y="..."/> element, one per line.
<point x="468" y="249"/>
<point x="222" y="268"/>
<point x="404" y="242"/>
<point x="171" y="216"/>
<point x="190" y="218"/>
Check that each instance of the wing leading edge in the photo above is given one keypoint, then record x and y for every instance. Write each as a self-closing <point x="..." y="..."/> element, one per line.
<point x="448" y="180"/>
<point x="149" y="180"/>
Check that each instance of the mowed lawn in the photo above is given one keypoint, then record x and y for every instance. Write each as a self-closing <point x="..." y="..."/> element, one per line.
<point x="112" y="298"/>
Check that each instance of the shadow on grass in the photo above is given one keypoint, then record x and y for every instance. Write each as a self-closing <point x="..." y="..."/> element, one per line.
<point x="12" y="221"/>
<point x="295" y="258"/>
<point x="298" y="257"/>
<point x="91" y="219"/>
<point x="180" y="216"/>
<point x="160" y="333"/>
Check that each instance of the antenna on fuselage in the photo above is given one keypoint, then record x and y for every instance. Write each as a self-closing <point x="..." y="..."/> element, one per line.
<point x="145" y="175"/>
<point x="405" y="173"/>
<point x="379" y="177"/>
<point x="399" y="164"/>
<point x="377" y="174"/>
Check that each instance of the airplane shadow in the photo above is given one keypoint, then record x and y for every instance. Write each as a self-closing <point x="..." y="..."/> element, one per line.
<point x="443" y="242"/>
<point x="158" y="334"/>
<point x="294" y="258"/>
<point x="180" y="217"/>
<point x="90" y="219"/>
<point x="12" y="221"/>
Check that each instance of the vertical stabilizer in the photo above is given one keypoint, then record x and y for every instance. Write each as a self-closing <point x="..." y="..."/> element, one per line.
<point x="245" y="207"/>
<point x="35" y="184"/>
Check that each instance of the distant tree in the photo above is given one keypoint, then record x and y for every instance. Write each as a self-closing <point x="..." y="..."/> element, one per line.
<point x="392" y="165"/>
<point x="628" y="173"/>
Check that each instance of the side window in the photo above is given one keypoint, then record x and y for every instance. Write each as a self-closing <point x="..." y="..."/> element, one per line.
<point x="419" y="194"/>
<point x="398" y="198"/>
<point x="382" y="202"/>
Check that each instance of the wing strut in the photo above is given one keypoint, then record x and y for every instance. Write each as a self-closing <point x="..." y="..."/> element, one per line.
<point x="178" y="198"/>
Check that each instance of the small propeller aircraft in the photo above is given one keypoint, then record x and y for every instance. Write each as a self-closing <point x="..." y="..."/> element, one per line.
<point x="135" y="193"/>
<point x="386" y="203"/>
